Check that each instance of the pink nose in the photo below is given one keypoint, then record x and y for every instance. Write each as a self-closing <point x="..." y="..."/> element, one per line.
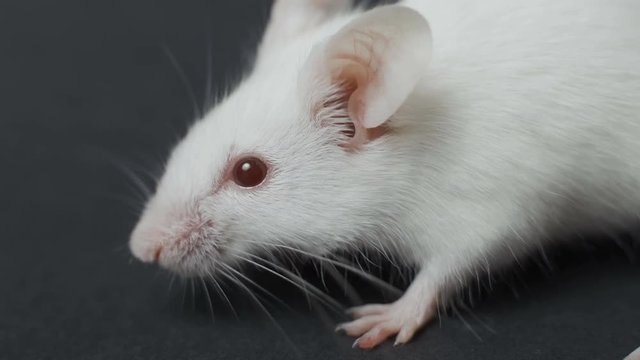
<point x="157" y="254"/>
<point x="146" y="244"/>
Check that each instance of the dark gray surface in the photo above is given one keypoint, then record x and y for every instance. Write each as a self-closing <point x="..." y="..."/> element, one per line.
<point x="83" y="83"/>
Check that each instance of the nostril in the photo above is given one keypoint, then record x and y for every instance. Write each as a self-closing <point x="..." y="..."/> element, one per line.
<point x="157" y="253"/>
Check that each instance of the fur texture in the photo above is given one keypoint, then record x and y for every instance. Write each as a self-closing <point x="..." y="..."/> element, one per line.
<point x="524" y="127"/>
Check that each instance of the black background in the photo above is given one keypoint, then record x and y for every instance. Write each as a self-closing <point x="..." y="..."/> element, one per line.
<point x="86" y="89"/>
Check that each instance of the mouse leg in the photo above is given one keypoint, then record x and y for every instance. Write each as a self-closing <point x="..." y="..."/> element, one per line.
<point x="469" y="249"/>
<point x="373" y="324"/>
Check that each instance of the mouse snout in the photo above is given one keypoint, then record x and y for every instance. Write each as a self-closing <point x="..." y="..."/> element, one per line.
<point x="146" y="244"/>
<point x="173" y="247"/>
<point x="157" y="253"/>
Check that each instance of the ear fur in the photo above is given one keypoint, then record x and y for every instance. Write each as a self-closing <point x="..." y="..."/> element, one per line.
<point x="377" y="59"/>
<point x="291" y="18"/>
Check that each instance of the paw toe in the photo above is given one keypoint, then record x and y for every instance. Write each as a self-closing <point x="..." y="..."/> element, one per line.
<point x="366" y="310"/>
<point x="406" y="334"/>
<point x="359" y="326"/>
<point x="377" y="335"/>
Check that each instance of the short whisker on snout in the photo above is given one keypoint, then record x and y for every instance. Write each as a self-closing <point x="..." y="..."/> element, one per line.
<point x="194" y="230"/>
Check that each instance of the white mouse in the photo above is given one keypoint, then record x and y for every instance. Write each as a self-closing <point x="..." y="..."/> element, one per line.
<point x="459" y="134"/>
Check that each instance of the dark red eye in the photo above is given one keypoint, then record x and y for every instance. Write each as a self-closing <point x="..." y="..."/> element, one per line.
<point x="249" y="172"/>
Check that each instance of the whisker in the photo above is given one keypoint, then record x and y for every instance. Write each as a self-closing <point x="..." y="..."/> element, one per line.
<point x="625" y="246"/>
<point x="210" y="301"/>
<point x="259" y="287"/>
<point x="121" y="248"/>
<point x="439" y="303"/>
<point x="466" y="323"/>
<point x="184" y="294"/>
<point x="222" y="293"/>
<point x="171" y="281"/>
<point x="319" y="295"/>
<point x="483" y="323"/>
<point x="349" y="290"/>
<point x="185" y="81"/>
<point x="140" y="188"/>
<point x="208" y="96"/>
<point x="359" y="272"/>
<point x="193" y="294"/>
<point x="305" y="291"/>
<point x="371" y="278"/>
<point x="134" y="206"/>
<point x="265" y="310"/>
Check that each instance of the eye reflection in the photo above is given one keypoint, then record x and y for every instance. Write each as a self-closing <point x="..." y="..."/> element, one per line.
<point x="249" y="172"/>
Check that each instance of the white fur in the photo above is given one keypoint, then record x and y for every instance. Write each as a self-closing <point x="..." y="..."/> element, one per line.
<point x="526" y="126"/>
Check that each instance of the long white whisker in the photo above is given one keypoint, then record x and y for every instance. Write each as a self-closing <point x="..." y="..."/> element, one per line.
<point x="319" y="295"/>
<point x="222" y="293"/>
<point x="193" y="294"/>
<point x="349" y="290"/>
<point x="359" y="272"/>
<point x="466" y="324"/>
<point x="483" y="323"/>
<point x="259" y="287"/>
<point x="141" y="189"/>
<point x="206" y="291"/>
<point x="184" y="294"/>
<point x="208" y="96"/>
<point x="173" y="278"/>
<point x="185" y="81"/>
<point x="304" y="285"/>
<point x="266" y="311"/>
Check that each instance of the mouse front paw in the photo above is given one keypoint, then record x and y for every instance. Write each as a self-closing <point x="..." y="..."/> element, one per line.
<point x="373" y="324"/>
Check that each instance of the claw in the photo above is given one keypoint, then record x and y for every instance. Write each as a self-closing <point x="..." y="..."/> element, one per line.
<point x="373" y="324"/>
<point x="377" y="335"/>
<point x="406" y="334"/>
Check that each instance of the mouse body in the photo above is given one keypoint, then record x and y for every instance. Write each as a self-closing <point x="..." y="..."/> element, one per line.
<point x="460" y="135"/>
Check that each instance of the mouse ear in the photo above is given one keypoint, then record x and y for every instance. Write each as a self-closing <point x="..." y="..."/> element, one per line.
<point x="377" y="59"/>
<point x="291" y="18"/>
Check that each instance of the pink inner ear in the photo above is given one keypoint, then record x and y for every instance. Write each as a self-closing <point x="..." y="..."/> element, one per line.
<point x="356" y="109"/>
<point x="358" y="75"/>
<point x="380" y="56"/>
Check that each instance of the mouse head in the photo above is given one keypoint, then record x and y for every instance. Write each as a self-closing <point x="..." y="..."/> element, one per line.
<point x="297" y="156"/>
